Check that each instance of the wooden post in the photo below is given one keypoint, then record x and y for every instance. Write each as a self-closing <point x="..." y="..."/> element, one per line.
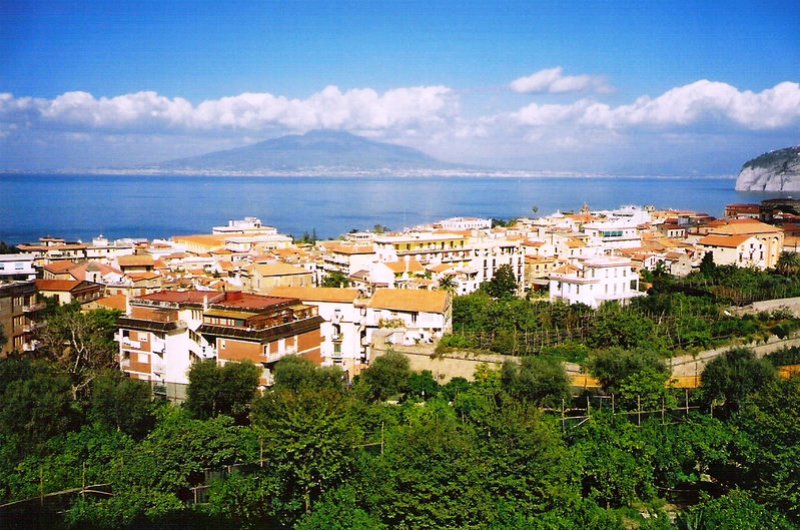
<point x="588" y="408"/>
<point x="563" y="425"/>
<point x="382" y="438"/>
<point x="83" y="480"/>
<point x="261" y="452"/>
<point x="686" y="399"/>
<point x="638" y="410"/>
<point x="662" y="410"/>
<point x="613" y="410"/>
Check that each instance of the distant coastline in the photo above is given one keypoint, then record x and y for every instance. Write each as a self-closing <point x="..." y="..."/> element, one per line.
<point x="350" y="173"/>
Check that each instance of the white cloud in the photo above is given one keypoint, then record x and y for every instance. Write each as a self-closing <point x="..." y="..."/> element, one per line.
<point x="553" y="81"/>
<point x="329" y="109"/>
<point x="699" y="103"/>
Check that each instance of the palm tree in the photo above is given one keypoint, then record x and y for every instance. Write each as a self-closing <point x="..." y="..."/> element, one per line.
<point x="788" y="263"/>
<point x="448" y="283"/>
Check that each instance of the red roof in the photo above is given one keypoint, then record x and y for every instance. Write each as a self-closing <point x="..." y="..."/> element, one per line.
<point x="239" y="300"/>
<point x="183" y="297"/>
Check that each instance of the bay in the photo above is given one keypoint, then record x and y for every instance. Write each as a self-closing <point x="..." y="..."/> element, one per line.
<point x="84" y="206"/>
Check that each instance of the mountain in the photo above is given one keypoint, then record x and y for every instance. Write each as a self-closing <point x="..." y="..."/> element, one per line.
<point x="774" y="171"/>
<point x="316" y="152"/>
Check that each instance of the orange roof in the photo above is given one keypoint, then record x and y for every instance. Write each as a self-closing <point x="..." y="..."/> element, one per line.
<point x="442" y="267"/>
<point x="116" y="302"/>
<point x="316" y="294"/>
<point x="142" y="276"/>
<point x="278" y="269"/>
<point x="350" y="249"/>
<point x="724" y="241"/>
<point x="205" y="240"/>
<point x="59" y="267"/>
<point x="136" y="260"/>
<point x="416" y="301"/>
<point x="57" y="285"/>
<point x="399" y="267"/>
<point x="746" y="226"/>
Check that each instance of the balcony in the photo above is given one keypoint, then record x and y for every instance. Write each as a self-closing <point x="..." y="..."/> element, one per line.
<point x="32" y="308"/>
<point x="135" y="344"/>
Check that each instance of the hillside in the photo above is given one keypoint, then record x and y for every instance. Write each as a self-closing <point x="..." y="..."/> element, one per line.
<point x="316" y="152"/>
<point x="774" y="171"/>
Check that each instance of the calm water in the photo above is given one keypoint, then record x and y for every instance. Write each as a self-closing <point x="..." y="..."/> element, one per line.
<point x="133" y="206"/>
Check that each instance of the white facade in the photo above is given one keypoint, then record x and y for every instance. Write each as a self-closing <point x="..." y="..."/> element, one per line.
<point x="17" y="267"/>
<point x="595" y="281"/>
<point x="617" y="233"/>
<point x="248" y="225"/>
<point x="465" y="223"/>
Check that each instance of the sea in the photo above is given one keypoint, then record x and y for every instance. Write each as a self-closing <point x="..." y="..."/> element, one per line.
<point x="80" y="207"/>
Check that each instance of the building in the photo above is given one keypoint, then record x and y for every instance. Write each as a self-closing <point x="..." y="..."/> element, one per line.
<point x="19" y="315"/>
<point x="417" y="316"/>
<point x="164" y="333"/>
<point x="68" y="291"/>
<point x="263" y="277"/>
<point x="595" y="281"/>
<point x="17" y="267"/>
<point x="343" y="330"/>
<point x="460" y="224"/>
<point x="762" y="253"/>
<point x="248" y="225"/>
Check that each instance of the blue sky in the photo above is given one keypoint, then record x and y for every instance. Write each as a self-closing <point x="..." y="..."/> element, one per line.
<point x="698" y="87"/>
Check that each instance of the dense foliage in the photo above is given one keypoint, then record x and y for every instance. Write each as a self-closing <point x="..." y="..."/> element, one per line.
<point x="314" y="453"/>
<point x="678" y="316"/>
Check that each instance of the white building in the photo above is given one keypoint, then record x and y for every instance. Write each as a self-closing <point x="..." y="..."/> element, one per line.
<point x="248" y="225"/>
<point x="595" y="281"/>
<point x="418" y="316"/>
<point x="343" y="332"/>
<point x="614" y="234"/>
<point x="465" y="223"/>
<point x="17" y="267"/>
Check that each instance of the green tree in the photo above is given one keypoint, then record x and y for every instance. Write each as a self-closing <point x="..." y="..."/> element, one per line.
<point x="335" y="279"/>
<point x="423" y="385"/>
<point x="770" y="450"/>
<point x="536" y="380"/>
<point x="309" y="436"/>
<point x="296" y="373"/>
<point x="646" y="388"/>
<point x="340" y="510"/>
<point x="387" y="376"/>
<point x="612" y="366"/>
<point x="733" y="376"/>
<point x="82" y="343"/>
<point x="734" y="511"/>
<point x="122" y="403"/>
<point x="225" y="389"/>
<point x="707" y="266"/>
<point x="617" y="465"/>
<point x="503" y="284"/>
<point x="618" y="326"/>
<point x="788" y="264"/>
<point x="37" y="405"/>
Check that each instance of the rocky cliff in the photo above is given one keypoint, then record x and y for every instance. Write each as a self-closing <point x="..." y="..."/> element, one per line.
<point x="774" y="171"/>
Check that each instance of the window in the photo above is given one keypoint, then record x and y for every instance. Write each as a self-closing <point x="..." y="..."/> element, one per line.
<point x="222" y="344"/>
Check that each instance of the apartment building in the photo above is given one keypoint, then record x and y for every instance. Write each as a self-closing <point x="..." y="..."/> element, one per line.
<point x="595" y="281"/>
<point x="17" y="267"/>
<point x="163" y="333"/>
<point x="19" y="315"/>
<point x="343" y="330"/>
<point x="763" y="253"/>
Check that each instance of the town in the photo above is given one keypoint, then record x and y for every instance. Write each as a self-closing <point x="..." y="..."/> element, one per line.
<point x="247" y="292"/>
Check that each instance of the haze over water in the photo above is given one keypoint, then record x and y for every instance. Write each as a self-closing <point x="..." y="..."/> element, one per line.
<point x="82" y="207"/>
